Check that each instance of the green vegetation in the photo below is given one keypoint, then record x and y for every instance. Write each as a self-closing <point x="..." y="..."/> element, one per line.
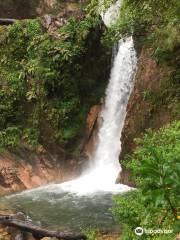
<point x="156" y="21"/>
<point x="53" y="81"/>
<point x="155" y="165"/>
<point x="91" y="234"/>
<point x="154" y="25"/>
<point x="48" y="81"/>
<point x="95" y="7"/>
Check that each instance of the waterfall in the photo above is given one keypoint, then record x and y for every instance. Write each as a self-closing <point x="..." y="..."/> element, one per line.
<point x="103" y="173"/>
<point x="109" y="17"/>
<point x="113" y="114"/>
<point x="105" y="168"/>
<point x="85" y="202"/>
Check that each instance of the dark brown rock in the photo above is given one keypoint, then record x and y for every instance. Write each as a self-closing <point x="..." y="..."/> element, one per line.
<point x="27" y="169"/>
<point x="142" y="111"/>
<point x="93" y="123"/>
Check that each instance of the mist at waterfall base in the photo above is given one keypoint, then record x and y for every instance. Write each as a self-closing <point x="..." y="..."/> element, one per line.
<point x="85" y="202"/>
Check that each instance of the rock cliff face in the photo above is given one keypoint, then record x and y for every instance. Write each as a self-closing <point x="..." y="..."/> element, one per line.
<point x="92" y="126"/>
<point x="145" y="110"/>
<point x="22" y="9"/>
<point x="25" y="169"/>
<point x="18" y="9"/>
<point x="59" y="7"/>
<point x="148" y="107"/>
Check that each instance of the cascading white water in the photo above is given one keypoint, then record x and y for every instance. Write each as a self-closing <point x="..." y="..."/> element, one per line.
<point x="109" y="17"/>
<point x="113" y="114"/>
<point x="102" y="175"/>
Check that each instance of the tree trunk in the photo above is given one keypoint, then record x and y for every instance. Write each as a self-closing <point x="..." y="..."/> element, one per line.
<point x="36" y="231"/>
